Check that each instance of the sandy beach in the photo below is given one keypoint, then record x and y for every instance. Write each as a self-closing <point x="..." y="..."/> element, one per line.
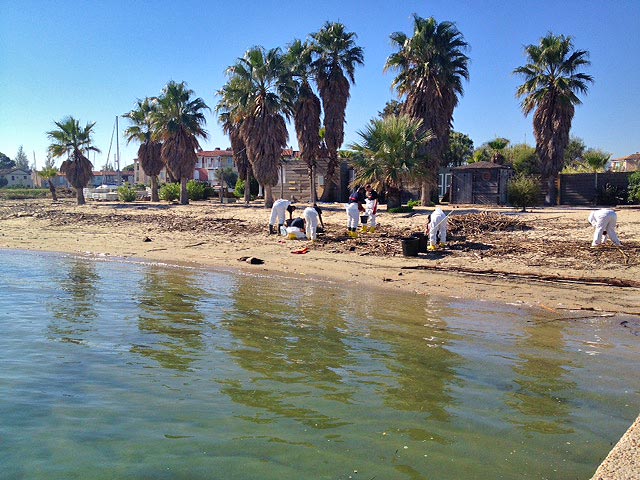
<point x="540" y="259"/>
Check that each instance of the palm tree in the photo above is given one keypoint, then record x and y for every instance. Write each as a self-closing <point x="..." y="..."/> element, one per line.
<point x="72" y="140"/>
<point x="306" y="110"/>
<point x="431" y="66"/>
<point x="48" y="173"/>
<point x="262" y="91"/>
<point x="596" y="160"/>
<point x="552" y="80"/>
<point x="178" y="122"/>
<point x="334" y="53"/>
<point x="149" y="151"/>
<point x="389" y="153"/>
<point x="230" y="116"/>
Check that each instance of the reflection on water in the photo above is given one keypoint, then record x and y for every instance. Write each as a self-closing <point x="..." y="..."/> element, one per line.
<point x="155" y="372"/>
<point x="169" y="309"/>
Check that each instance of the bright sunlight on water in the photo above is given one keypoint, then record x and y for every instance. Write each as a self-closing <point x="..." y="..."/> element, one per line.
<point x="140" y="371"/>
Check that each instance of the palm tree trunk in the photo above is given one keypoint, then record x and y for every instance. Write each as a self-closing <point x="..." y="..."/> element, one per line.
<point x="312" y="184"/>
<point x="154" y="189"/>
<point x="247" y="187"/>
<point x="551" y="198"/>
<point x="184" y="195"/>
<point x="425" y="193"/>
<point x="80" y="196"/>
<point x="52" y="189"/>
<point x="268" y="196"/>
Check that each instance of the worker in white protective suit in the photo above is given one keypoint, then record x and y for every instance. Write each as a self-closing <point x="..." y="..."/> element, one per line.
<point x="437" y="229"/>
<point x="311" y="219"/>
<point x="354" y="207"/>
<point x="370" y="209"/>
<point x="279" y="213"/>
<point x="604" y="221"/>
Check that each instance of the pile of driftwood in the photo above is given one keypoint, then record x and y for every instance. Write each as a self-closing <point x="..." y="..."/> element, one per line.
<point x="479" y="223"/>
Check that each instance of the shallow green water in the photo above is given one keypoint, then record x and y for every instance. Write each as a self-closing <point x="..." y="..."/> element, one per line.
<point x="122" y="370"/>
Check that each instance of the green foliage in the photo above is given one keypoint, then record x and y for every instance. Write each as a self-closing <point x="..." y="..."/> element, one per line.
<point x="169" y="192"/>
<point x="402" y="209"/>
<point x="21" y="159"/>
<point x="596" y="159"/>
<point x="611" y="195"/>
<point x="524" y="191"/>
<point x="3" y="181"/>
<point x="23" y="193"/>
<point x="126" y="193"/>
<point x="6" y="162"/>
<point x="574" y="152"/>
<point x="634" y="188"/>
<point x="524" y="160"/>
<point x="460" y="150"/>
<point x="196" y="190"/>
<point x="238" y="192"/>
<point x="414" y="203"/>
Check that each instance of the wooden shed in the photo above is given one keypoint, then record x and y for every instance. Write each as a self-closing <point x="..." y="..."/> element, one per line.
<point x="482" y="183"/>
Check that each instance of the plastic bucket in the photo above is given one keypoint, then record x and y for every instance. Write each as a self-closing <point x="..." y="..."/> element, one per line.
<point x="410" y="246"/>
<point x="422" y="242"/>
<point x="363" y="219"/>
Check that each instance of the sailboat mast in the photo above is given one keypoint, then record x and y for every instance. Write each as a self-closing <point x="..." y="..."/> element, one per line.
<point x="118" y="177"/>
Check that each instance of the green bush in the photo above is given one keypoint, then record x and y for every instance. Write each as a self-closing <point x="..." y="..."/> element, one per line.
<point x="169" y="192"/>
<point x="209" y="191"/>
<point x="196" y="190"/>
<point x="402" y="209"/>
<point x="524" y="191"/>
<point x="414" y="203"/>
<point x="126" y="193"/>
<point x="23" y="193"/>
<point x="634" y="188"/>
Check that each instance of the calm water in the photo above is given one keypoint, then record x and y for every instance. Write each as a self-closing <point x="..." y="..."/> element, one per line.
<point x="122" y="370"/>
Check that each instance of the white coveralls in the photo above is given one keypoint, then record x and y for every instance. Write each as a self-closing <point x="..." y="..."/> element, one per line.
<point x="311" y="220"/>
<point x="353" y="215"/>
<point x="438" y="227"/>
<point x="371" y="208"/>
<point x="279" y="212"/>
<point x="604" y="220"/>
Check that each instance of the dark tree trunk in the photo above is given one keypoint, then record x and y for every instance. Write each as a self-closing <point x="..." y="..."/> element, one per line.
<point x="247" y="187"/>
<point x="154" y="189"/>
<point x="80" y="196"/>
<point x="52" y="189"/>
<point x="551" y="198"/>
<point x="184" y="195"/>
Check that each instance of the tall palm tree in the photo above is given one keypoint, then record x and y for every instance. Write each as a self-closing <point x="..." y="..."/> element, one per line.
<point x="178" y="122"/>
<point x="262" y="88"/>
<point x="149" y="151"/>
<point x="306" y="110"/>
<point x="73" y="141"/>
<point x="552" y="80"/>
<point x="334" y="53"/>
<point x="431" y="66"/>
<point x="389" y="153"/>
<point x="230" y="116"/>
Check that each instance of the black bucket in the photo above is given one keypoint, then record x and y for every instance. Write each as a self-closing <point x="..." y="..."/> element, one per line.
<point x="422" y="241"/>
<point x="363" y="219"/>
<point x="410" y="246"/>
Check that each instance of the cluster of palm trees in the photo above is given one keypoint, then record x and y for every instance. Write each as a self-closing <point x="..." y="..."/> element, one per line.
<point x="167" y="127"/>
<point x="267" y="88"/>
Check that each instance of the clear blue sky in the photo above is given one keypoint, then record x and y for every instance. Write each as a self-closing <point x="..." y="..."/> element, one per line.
<point x="93" y="59"/>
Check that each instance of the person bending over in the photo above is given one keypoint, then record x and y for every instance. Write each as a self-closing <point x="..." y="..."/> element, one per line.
<point x="604" y="221"/>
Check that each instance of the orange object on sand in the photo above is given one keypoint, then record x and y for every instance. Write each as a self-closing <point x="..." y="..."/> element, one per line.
<point x="304" y="250"/>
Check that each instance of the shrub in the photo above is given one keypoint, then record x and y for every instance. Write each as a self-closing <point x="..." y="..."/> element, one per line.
<point x="414" y="203"/>
<point x="23" y="193"/>
<point x="169" y="192"/>
<point x="126" y="193"/>
<point x="209" y="191"/>
<point x="523" y="191"/>
<point x="610" y="195"/>
<point x="196" y="190"/>
<point x="402" y="209"/>
<point x="634" y="188"/>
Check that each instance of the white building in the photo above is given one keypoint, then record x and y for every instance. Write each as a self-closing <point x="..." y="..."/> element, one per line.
<point x="17" y="177"/>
